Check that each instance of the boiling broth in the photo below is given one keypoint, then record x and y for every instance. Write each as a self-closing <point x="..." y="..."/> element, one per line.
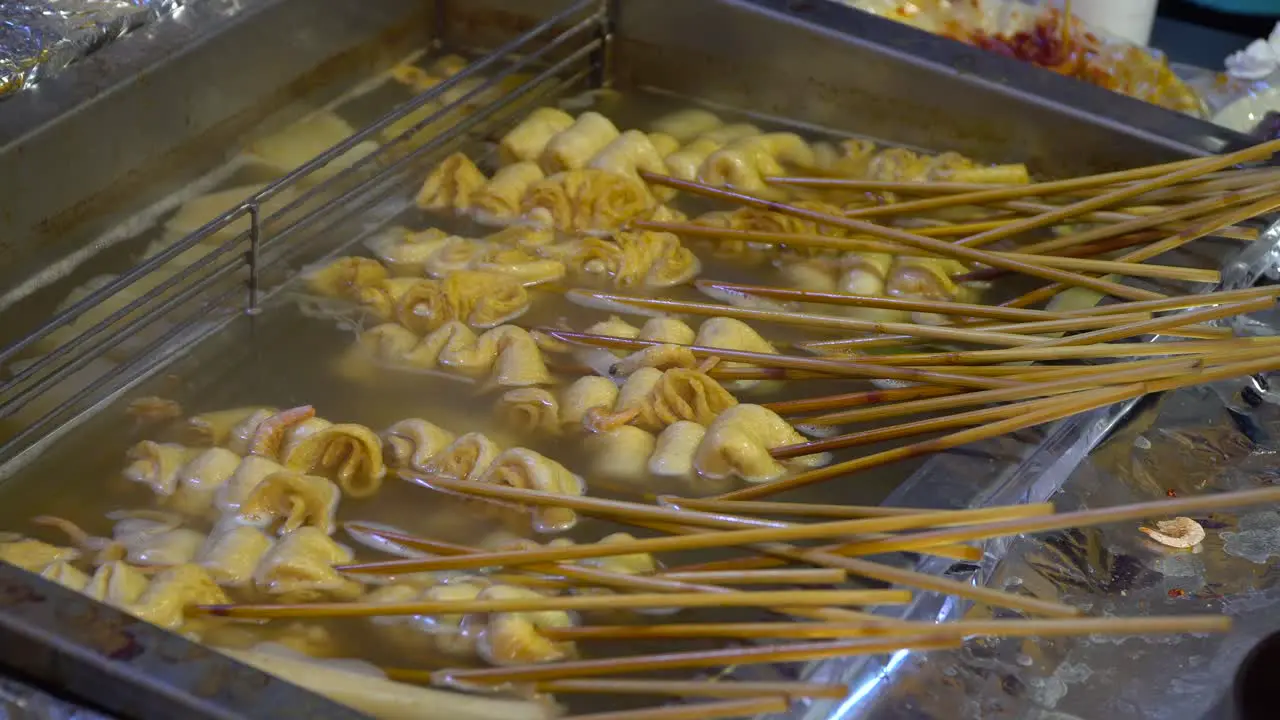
<point x="283" y="357"/>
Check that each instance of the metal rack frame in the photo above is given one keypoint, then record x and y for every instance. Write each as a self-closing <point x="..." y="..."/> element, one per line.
<point x="576" y="35"/>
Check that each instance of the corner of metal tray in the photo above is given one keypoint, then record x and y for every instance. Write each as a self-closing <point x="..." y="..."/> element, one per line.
<point x="91" y="653"/>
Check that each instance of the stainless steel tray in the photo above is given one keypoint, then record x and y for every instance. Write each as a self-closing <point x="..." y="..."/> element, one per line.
<point x="791" y="60"/>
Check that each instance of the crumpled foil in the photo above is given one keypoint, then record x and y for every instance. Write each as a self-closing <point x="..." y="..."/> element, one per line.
<point x="1190" y="442"/>
<point x="1198" y="440"/>
<point x="19" y="701"/>
<point x="39" y="39"/>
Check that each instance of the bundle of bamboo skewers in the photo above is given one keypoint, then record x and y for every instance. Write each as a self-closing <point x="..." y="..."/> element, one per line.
<point x="991" y="384"/>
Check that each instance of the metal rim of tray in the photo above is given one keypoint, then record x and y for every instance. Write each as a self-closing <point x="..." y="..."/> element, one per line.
<point x="563" y="49"/>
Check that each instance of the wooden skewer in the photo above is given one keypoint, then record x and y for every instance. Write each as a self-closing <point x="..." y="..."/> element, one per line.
<point x="428" y="545"/>
<point x="1200" y="207"/>
<point x="984" y="196"/>
<point x="789" y="508"/>
<point x="1081" y="518"/>
<point x="1179" y="303"/>
<point x="919" y="427"/>
<point x="748" y="707"/>
<point x="1065" y="627"/>
<point x="1155" y="325"/>
<point x="1114" y="197"/>
<point x="1036" y="373"/>
<point x="1093" y="249"/>
<point x="1117" y="267"/>
<point x="1118" y="215"/>
<point x="1087" y="250"/>
<point x="590" y="505"/>
<point x="535" y="581"/>
<point x="1173" y="242"/>
<point x="750" y="373"/>
<point x="893" y="346"/>
<point x="858" y="399"/>
<point x="925" y="426"/>
<point x="790" y="576"/>
<point x="646" y="515"/>
<point x="723" y="234"/>
<point x="1211" y="184"/>
<point x="1079" y="323"/>
<point x="962" y="229"/>
<point x="767" y="558"/>
<point x="886" y="573"/>
<point x="1209" y="357"/>
<point x="847" y="346"/>
<point x="1061" y="372"/>
<point x="1035" y="206"/>
<point x="642" y="583"/>
<point x="1044" y="322"/>
<point x="994" y="312"/>
<point x="724" y="538"/>
<point x="974" y="310"/>
<point x="1121" y="374"/>
<point x="585" y="575"/>
<point x="1072" y="404"/>
<point x="702" y="658"/>
<point x="831" y="367"/>
<point x="900" y="187"/>
<point x="783" y="553"/>
<point x="626" y="303"/>
<point x="717" y="520"/>
<point x="697" y="688"/>
<point x="763" y="598"/>
<point x="743" y="630"/>
<point x="1059" y="262"/>
<point x="963" y="553"/>
<point x="940" y="247"/>
<point x="1083" y="352"/>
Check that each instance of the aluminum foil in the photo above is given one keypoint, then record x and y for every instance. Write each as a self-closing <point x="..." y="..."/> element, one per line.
<point x="1218" y="437"/>
<point x="1200" y="440"/>
<point x="38" y="39"/>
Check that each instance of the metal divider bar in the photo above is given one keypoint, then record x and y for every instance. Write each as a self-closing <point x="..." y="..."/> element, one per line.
<point x="151" y="355"/>
<point x="463" y="125"/>
<point x="502" y="52"/>
<point x="11" y="405"/>
<point x="386" y="182"/>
